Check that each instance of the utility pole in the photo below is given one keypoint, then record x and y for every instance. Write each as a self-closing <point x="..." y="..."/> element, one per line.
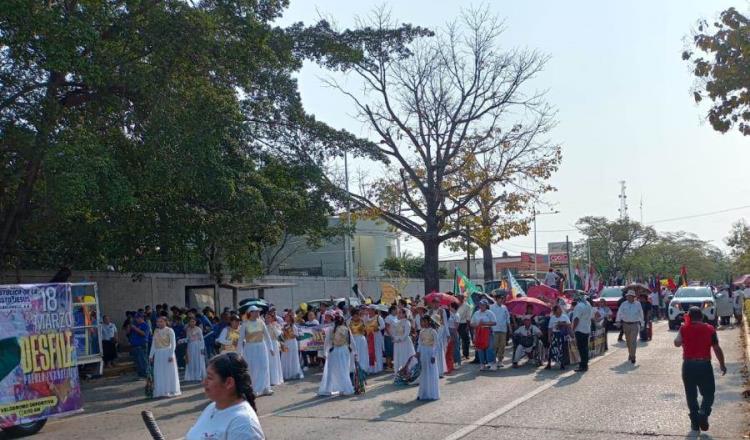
<point x="347" y="243"/>
<point x="468" y="253"/>
<point x="570" y="270"/>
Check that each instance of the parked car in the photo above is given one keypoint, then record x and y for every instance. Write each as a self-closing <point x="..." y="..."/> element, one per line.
<point x="612" y="295"/>
<point x="315" y="303"/>
<point x="688" y="296"/>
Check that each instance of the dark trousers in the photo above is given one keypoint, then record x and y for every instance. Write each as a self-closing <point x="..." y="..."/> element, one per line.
<point x="140" y="357"/>
<point x="582" y="342"/>
<point x="463" y="333"/>
<point x="698" y="376"/>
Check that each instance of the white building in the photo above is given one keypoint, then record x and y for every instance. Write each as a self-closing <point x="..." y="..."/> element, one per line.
<point x="372" y="242"/>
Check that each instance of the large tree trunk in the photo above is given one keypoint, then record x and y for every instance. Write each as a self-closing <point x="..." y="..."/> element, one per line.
<point x="487" y="263"/>
<point x="431" y="267"/>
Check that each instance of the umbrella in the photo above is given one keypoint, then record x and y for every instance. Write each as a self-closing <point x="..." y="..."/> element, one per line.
<point x="518" y="306"/>
<point x="444" y="299"/>
<point x="638" y="288"/>
<point x="379" y="307"/>
<point x="478" y="296"/>
<point x="544" y="293"/>
<point x="257" y="302"/>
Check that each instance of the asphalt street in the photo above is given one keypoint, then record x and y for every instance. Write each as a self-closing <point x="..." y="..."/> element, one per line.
<point x="614" y="400"/>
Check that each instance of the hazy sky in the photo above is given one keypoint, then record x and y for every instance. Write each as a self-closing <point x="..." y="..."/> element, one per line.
<point x="624" y="104"/>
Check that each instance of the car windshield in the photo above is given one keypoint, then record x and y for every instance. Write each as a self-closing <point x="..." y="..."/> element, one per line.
<point x="610" y="292"/>
<point x="693" y="293"/>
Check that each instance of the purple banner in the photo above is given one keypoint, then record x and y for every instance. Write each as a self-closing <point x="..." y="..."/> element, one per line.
<point x="38" y="359"/>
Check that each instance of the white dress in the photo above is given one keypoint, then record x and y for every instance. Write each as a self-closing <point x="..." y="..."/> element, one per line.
<point x="403" y="347"/>
<point x="442" y="341"/>
<point x="290" y="362"/>
<point x="274" y="360"/>
<point x="336" y="379"/>
<point x="238" y="422"/>
<point x="429" y="381"/>
<point x="195" y="370"/>
<point x="359" y="342"/>
<point x="166" y="379"/>
<point x="255" y="345"/>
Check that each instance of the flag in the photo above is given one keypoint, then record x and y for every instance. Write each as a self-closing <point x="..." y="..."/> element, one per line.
<point x="683" y="276"/>
<point x="578" y="277"/>
<point x="462" y="285"/>
<point x="515" y="288"/>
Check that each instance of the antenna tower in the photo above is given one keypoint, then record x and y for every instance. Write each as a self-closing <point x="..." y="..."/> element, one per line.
<point x="623" y="202"/>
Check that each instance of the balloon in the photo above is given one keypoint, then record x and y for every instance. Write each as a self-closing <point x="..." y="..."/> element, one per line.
<point x="303" y="307"/>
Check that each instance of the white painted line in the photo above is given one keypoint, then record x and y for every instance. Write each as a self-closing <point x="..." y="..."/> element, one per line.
<point x="468" y="429"/>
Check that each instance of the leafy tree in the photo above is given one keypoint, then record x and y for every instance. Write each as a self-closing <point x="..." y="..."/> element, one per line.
<point x="721" y="67"/>
<point x="408" y="266"/>
<point x="613" y="243"/>
<point x="739" y="242"/>
<point x="432" y="103"/>
<point x="172" y="131"/>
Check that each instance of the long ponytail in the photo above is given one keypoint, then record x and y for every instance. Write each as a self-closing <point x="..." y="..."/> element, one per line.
<point x="232" y="365"/>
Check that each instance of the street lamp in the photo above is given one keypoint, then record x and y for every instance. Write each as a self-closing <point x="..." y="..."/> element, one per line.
<point x="536" y="213"/>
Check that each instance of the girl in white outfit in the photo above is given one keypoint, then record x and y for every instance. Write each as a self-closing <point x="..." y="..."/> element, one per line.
<point x="429" y="381"/>
<point x="290" y="361"/>
<point x="403" y="347"/>
<point x="195" y="370"/>
<point x="339" y="361"/>
<point x="256" y="347"/>
<point x="274" y="360"/>
<point x="166" y="379"/>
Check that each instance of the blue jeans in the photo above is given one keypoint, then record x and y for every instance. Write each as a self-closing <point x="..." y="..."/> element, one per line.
<point x="456" y="347"/>
<point x="487" y="356"/>
<point x="141" y="360"/>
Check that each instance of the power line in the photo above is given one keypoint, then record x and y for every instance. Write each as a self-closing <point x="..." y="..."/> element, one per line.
<point x="699" y="215"/>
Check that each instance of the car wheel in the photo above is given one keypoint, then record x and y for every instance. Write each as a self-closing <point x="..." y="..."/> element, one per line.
<point x="672" y="325"/>
<point x="25" y="429"/>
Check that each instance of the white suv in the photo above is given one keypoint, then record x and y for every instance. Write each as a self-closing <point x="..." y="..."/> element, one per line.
<point x="687" y="297"/>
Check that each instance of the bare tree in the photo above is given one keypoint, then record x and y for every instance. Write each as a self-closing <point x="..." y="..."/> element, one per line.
<point x="432" y="104"/>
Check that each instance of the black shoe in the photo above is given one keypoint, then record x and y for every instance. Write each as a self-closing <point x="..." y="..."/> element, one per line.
<point x="581" y="370"/>
<point x="632" y="360"/>
<point x="703" y="422"/>
<point x="694" y="427"/>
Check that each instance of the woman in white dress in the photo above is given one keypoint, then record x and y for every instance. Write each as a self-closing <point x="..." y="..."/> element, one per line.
<point x="429" y="381"/>
<point x="231" y="414"/>
<point x="339" y="362"/>
<point x="374" y="328"/>
<point x="229" y="338"/>
<point x="441" y="319"/>
<point x="359" y="341"/>
<point x="290" y="361"/>
<point x="403" y="347"/>
<point x="256" y="347"/>
<point x="274" y="360"/>
<point x="166" y="379"/>
<point x="195" y="368"/>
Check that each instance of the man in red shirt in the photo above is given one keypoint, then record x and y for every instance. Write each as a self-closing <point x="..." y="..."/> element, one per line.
<point x="697" y="339"/>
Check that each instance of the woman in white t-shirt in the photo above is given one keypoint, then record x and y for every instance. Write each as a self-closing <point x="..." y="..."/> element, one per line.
<point x="231" y="415"/>
<point x="559" y="325"/>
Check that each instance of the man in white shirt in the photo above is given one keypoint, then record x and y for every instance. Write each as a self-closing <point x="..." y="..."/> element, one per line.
<point x="464" y="318"/>
<point x="630" y="317"/>
<point x="526" y="338"/>
<point x="109" y="341"/>
<point x="501" y="328"/>
<point x="550" y="279"/>
<point x="582" y="317"/>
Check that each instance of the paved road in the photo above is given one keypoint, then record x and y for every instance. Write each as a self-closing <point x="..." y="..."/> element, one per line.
<point x="614" y="400"/>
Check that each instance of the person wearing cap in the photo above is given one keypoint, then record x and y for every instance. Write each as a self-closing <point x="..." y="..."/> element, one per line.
<point x="256" y="346"/>
<point x="526" y="339"/>
<point x="429" y="381"/>
<point x="501" y="328"/>
<point x="484" y="318"/>
<point x="697" y="339"/>
<point x="583" y="315"/>
<point x="559" y="326"/>
<point x="464" y="319"/>
<point x="630" y="317"/>
<point x="139" y="335"/>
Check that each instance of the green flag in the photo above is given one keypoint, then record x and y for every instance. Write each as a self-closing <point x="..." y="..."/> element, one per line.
<point x="462" y="285"/>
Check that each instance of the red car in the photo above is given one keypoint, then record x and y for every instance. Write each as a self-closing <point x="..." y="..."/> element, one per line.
<point x="612" y="295"/>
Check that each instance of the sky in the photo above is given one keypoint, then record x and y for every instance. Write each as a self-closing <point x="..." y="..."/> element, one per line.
<point x="624" y="102"/>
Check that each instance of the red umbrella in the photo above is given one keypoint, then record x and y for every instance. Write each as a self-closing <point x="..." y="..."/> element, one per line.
<point x="445" y="299"/>
<point x="544" y="293"/>
<point x="518" y="306"/>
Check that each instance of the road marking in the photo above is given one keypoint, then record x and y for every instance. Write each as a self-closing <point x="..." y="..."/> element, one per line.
<point x="466" y="430"/>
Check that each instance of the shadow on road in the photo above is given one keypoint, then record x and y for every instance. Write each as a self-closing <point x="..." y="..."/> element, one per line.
<point x="625" y="368"/>
<point x="395" y="409"/>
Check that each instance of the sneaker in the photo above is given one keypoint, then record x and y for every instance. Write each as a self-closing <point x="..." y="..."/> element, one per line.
<point x="499" y="366"/>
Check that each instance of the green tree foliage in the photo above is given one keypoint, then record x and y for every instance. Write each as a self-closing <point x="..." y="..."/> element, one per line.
<point x="407" y="266"/>
<point x="721" y="64"/>
<point x="134" y="131"/>
<point x="739" y="243"/>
